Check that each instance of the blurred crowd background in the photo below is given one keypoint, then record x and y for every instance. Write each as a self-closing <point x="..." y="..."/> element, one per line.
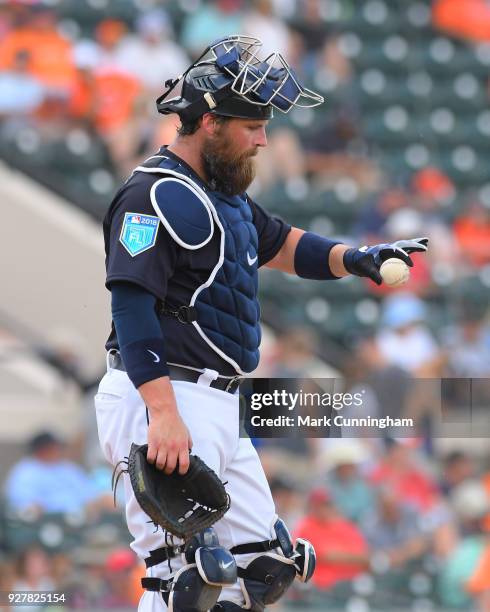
<point x="399" y="149"/>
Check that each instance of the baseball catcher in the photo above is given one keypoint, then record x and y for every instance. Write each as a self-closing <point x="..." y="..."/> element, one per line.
<point x="184" y="244"/>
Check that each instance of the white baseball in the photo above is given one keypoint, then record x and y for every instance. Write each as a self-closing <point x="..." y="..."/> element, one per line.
<point x="394" y="272"/>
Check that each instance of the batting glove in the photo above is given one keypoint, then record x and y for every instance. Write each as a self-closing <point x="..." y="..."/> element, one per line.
<point x="367" y="260"/>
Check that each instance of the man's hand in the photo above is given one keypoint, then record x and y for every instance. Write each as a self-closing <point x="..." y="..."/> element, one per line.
<point x="367" y="261"/>
<point x="169" y="440"/>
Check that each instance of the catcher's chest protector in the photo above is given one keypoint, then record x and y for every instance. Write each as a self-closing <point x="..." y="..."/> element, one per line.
<point x="227" y="307"/>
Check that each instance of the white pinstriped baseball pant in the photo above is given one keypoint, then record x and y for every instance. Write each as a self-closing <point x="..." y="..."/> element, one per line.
<point x="212" y="417"/>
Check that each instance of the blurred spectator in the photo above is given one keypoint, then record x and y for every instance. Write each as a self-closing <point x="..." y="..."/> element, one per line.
<point x="309" y="24"/>
<point x="405" y="339"/>
<point x="399" y="470"/>
<point x="6" y="20"/>
<point x="116" y="97"/>
<point x="432" y="188"/>
<point x="471" y="503"/>
<point x="376" y="212"/>
<point x="386" y="384"/>
<point x="296" y="356"/>
<point x="152" y="55"/>
<point x="82" y="103"/>
<point x="432" y="191"/>
<point x="387" y="390"/>
<point x="478" y="584"/>
<point x="49" y="53"/>
<point x="33" y="573"/>
<point x="467" y="342"/>
<point x="457" y="467"/>
<point x="393" y="530"/>
<point x="108" y="102"/>
<point x="340" y="547"/>
<point x="122" y="593"/>
<point x="287" y="498"/>
<point x="472" y="231"/>
<point x="260" y="22"/>
<point x="335" y="149"/>
<point x="466" y="18"/>
<point x="20" y="92"/>
<point x="210" y="21"/>
<point x="282" y="161"/>
<point x="464" y="571"/>
<point x="45" y="481"/>
<point x="108" y="41"/>
<point x="351" y="493"/>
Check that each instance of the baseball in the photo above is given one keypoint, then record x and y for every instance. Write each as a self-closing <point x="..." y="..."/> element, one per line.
<point x="394" y="272"/>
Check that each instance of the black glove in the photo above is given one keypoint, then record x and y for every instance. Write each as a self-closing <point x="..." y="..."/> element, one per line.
<point x="183" y="504"/>
<point x="367" y="261"/>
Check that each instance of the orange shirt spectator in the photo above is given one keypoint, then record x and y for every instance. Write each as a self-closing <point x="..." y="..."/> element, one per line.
<point x="50" y="53"/>
<point x="472" y="231"/>
<point x="486" y="520"/>
<point x="107" y="98"/>
<point x="479" y="581"/>
<point x="467" y="18"/>
<point x="341" y="549"/>
<point x="116" y="95"/>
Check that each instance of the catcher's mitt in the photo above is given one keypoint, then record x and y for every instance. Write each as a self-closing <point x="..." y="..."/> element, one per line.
<point x="181" y="504"/>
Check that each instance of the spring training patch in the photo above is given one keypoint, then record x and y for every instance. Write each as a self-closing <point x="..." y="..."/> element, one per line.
<point x="139" y="233"/>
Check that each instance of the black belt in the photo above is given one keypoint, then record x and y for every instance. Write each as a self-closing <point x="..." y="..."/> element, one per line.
<point x="223" y="383"/>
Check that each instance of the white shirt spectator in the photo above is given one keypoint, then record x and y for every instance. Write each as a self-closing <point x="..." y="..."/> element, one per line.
<point x="151" y="55"/>
<point x="152" y="62"/>
<point x="261" y="23"/>
<point x="409" y="350"/>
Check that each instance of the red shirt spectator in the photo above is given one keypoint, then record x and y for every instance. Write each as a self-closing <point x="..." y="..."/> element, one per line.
<point x="340" y="546"/>
<point x="408" y="482"/>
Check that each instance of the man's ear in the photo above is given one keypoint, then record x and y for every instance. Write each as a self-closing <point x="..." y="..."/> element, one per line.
<point x="209" y="123"/>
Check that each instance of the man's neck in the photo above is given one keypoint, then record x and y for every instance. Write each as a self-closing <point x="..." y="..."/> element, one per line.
<point x="189" y="152"/>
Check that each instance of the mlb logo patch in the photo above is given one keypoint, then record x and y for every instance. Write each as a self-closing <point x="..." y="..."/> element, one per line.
<point x="139" y="233"/>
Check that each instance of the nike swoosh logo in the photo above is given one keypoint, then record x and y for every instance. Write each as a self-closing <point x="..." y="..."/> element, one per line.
<point x="250" y="260"/>
<point x="227" y="565"/>
<point x="157" y="358"/>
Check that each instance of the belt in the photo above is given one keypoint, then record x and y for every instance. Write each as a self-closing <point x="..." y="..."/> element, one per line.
<point x="224" y="383"/>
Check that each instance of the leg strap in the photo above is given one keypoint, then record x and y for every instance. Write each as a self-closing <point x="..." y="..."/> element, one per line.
<point x="254" y="547"/>
<point x="226" y="606"/>
<point x="156" y="584"/>
<point x="159" y="555"/>
<point x="282" y="541"/>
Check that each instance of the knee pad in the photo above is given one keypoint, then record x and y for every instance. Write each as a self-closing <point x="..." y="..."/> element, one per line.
<point x="197" y="585"/>
<point x="205" y="537"/>
<point x="301" y="557"/>
<point x="190" y="593"/>
<point x="304" y="559"/>
<point x="303" y="553"/>
<point x="265" y="580"/>
<point x="215" y="564"/>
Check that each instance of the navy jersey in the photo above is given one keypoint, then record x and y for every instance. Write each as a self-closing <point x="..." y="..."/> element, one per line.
<point x="167" y="270"/>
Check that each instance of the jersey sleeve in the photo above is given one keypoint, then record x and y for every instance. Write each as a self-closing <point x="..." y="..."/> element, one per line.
<point x="138" y="247"/>
<point x="272" y="232"/>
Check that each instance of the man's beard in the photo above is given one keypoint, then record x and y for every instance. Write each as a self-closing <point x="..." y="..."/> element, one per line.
<point x="226" y="172"/>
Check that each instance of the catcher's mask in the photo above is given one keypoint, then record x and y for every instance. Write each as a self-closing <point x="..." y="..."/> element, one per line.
<point x="230" y="79"/>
